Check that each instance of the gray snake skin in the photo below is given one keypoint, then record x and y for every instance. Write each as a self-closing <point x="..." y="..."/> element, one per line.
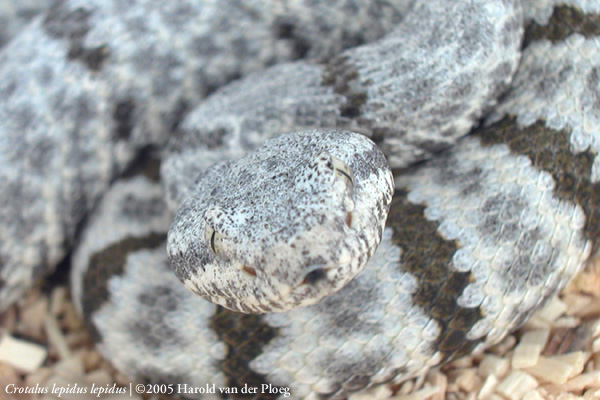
<point x="481" y="229"/>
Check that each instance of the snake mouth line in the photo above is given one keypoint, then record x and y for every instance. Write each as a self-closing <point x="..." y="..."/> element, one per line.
<point x="344" y="173"/>
<point x="342" y="169"/>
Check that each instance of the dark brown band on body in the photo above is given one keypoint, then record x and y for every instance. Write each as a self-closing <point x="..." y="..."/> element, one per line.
<point x="104" y="265"/>
<point x="245" y="335"/>
<point x="427" y="256"/>
<point x="549" y="150"/>
<point x="565" y="21"/>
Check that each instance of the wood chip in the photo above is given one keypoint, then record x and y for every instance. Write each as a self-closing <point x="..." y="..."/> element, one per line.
<point x="578" y="384"/>
<point x="595" y="326"/>
<point x="566" y="396"/>
<point x="576" y="302"/>
<point x="9" y="373"/>
<point x="551" y="370"/>
<point x="504" y="346"/>
<point x="516" y="384"/>
<point x="71" y="368"/>
<point x="596" y="345"/>
<point x="529" y="348"/>
<point x="68" y="389"/>
<point x="468" y="380"/>
<point x="71" y="319"/>
<point x="422" y="394"/>
<point x="406" y="387"/>
<point x="552" y="310"/>
<point x="31" y="323"/>
<point x="8" y="377"/>
<point x="8" y="320"/>
<point x="419" y="381"/>
<point x="38" y="377"/>
<point x="124" y="396"/>
<point x="588" y="281"/>
<point x="452" y="388"/>
<point x="463" y="362"/>
<point x="533" y="395"/>
<point x="592" y="394"/>
<point x="594" y="362"/>
<point x="493" y="365"/>
<point x="439" y="380"/>
<point x="76" y="339"/>
<point x="58" y="300"/>
<point x="577" y="359"/>
<point x="56" y="338"/>
<point x="566" y="321"/>
<point x="381" y="392"/>
<point x="102" y="378"/>
<point x="471" y="396"/>
<point x="526" y="355"/>
<point x="121" y="379"/>
<point x="488" y="387"/>
<point x="584" y="381"/>
<point x="91" y="359"/>
<point x="23" y="355"/>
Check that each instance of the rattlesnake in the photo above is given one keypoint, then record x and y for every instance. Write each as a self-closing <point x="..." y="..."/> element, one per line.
<point x="476" y="239"/>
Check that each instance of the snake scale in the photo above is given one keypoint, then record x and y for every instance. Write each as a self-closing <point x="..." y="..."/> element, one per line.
<point x="288" y="228"/>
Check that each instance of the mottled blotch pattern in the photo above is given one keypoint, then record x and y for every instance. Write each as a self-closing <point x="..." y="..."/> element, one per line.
<point x="105" y="265"/>
<point x="477" y="238"/>
<point x="515" y="239"/>
<point x="549" y="150"/>
<point x="367" y="333"/>
<point x="236" y="348"/>
<point x="129" y="297"/>
<point x="558" y="86"/>
<point x="351" y="91"/>
<point x="15" y="15"/>
<point x="89" y="84"/>
<point x="414" y="97"/>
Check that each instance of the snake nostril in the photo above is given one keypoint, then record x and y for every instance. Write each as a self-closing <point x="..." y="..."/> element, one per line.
<point x="315" y="276"/>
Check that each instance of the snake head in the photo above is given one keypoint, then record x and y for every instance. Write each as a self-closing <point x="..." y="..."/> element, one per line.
<point x="285" y="226"/>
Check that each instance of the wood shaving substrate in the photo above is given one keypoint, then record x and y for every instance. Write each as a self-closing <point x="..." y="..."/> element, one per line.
<point x="556" y="355"/>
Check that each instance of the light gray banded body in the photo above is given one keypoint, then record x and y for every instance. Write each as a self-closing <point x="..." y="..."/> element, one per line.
<point x="502" y="221"/>
<point x="89" y="84"/>
<point x="414" y="97"/>
<point x="15" y="15"/>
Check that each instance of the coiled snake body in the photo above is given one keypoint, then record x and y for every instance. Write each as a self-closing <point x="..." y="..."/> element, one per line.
<point x="477" y="236"/>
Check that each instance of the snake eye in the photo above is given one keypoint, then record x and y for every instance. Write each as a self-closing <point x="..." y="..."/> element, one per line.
<point x="342" y="169"/>
<point x="212" y="238"/>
